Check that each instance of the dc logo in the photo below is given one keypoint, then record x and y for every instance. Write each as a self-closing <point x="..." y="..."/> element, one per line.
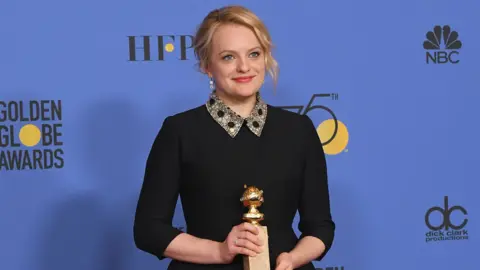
<point x="446" y="214"/>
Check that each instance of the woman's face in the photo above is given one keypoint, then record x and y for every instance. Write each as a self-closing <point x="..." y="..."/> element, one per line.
<point x="237" y="61"/>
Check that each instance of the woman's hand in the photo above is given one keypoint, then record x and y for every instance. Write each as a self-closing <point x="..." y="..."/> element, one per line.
<point x="242" y="239"/>
<point x="284" y="261"/>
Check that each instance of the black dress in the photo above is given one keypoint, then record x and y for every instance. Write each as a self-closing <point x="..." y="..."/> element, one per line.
<point x="207" y="154"/>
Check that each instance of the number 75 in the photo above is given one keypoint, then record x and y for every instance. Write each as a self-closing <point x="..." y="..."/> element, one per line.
<point x="301" y="109"/>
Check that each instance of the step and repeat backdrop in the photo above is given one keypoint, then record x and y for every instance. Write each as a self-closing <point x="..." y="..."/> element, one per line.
<point x="393" y="87"/>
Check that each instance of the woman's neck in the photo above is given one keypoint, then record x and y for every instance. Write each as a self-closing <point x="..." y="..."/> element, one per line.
<point x="242" y="106"/>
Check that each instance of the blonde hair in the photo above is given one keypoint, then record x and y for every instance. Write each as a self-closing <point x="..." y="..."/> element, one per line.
<point x="233" y="15"/>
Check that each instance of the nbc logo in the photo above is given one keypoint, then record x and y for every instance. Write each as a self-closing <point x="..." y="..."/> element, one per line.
<point x="438" y="54"/>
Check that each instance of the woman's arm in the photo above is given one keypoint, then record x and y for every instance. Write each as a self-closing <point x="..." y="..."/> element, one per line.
<point x="316" y="224"/>
<point x="188" y="248"/>
<point x="308" y="249"/>
<point x="153" y="230"/>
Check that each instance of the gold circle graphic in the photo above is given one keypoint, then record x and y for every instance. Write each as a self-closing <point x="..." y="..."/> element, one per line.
<point x="169" y="47"/>
<point x="29" y="135"/>
<point x="325" y="131"/>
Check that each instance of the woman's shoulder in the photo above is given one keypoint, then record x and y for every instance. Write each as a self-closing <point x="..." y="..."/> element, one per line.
<point x="188" y="114"/>
<point x="185" y="118"/>
<point x="290" y="118"/>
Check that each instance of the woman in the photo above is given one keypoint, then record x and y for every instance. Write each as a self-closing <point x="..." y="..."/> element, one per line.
<point x="207" y="154"/>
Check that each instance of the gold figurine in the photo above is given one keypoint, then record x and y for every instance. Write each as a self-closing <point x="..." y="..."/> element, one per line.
<point x="252" y="198"/>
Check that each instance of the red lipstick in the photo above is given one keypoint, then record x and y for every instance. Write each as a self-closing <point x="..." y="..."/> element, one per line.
<point x="243" y="79"/>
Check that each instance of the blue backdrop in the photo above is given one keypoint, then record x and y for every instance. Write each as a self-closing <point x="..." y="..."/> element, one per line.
<point x="80" y="107"/>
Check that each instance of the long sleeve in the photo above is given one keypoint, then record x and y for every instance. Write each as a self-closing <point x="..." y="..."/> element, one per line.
<point x="314" y="210"/>
<point x="153" y="230"/>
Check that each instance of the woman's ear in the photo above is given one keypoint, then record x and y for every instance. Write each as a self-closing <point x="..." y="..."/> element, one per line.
<point x="209" y="74"/>
<point x="205" y="70"/>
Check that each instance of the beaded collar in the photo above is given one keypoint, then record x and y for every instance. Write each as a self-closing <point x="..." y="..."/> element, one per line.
<point x="231" y="122"/>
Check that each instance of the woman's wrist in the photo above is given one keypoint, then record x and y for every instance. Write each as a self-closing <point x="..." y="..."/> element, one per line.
<point x="306" y="250"/>
<point x="189" y="248"/>
<point x="295" y="259"/>
<point x="217" y="248"/>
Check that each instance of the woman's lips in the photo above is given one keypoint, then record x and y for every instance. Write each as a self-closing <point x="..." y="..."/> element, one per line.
<point x="243" y="79"/>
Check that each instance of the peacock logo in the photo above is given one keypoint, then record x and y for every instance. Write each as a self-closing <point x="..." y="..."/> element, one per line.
<point x="444" y="43"/>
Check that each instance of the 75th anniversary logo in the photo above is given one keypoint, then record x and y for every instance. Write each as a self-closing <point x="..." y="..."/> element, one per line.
<point x="332" y="132"/>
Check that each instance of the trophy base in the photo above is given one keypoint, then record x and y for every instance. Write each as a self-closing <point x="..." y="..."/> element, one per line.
<point x="262" y="260"/>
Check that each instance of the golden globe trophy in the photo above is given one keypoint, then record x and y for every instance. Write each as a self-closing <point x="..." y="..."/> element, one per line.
<point x="253" y="198"/>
